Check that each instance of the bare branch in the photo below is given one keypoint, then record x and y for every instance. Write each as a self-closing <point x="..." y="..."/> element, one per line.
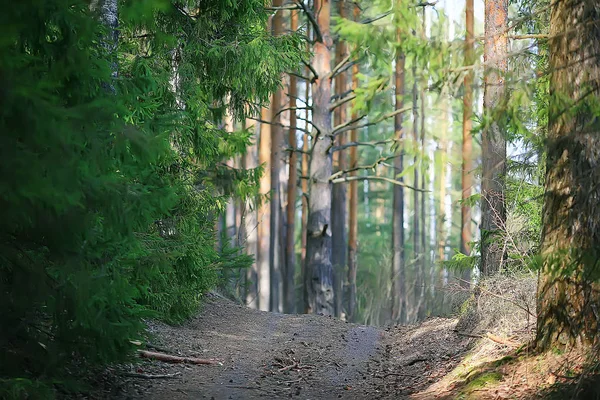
<point x="426" y="4"/>
<point x="311" y="18"/>
<point x="342" y="102"/>
<point x="262" y="121"/>
<point x="377" y="18"/>
<point x="359" y="167"/>
<point x="291" y="109"/>
<point x="344" y="127"/>
<point x="338" y="66"/>
<point x="370" y="144"/>
<point x="347" y="126"/>
<point x="288" y="7"/>
<point x="342" y="95"/>
<point x="377" y="178"/>
<point x="312" y="69"/>
<point x="300" y="76"/>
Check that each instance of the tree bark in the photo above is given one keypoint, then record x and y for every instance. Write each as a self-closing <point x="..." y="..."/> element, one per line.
<point x="289" y="289"/>
<point x="467" y="146"/>
<point x="421" y="195"/>
<point x="250" y="160"/>
<point x="338" y="211"/>
<point x="318" y="246"/>
<point x="275" y="249"/>
<point x="493" y="147"/>
<point x="353" y="204"/>
<point x="108" y="13"/>
<point x="416" y="209"/>
<point x="398" y="276"/>
<point x="264" y="217"/>
<point x="304" y="185"/>
<point x="443" y="151"/>
<point x="569" y="285"/>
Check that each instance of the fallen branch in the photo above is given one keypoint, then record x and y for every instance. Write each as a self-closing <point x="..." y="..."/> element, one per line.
<point x="499" y="340"/>
<point x="151" y="376"/>
<point x="175" y="359"/>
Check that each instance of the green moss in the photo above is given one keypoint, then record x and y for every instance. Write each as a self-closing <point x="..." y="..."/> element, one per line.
<point x="480" y="381"/>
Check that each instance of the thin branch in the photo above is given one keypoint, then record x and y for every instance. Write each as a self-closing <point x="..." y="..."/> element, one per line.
<point x="291" y="109"/>
<point x="370" y="20"/>
<point x="295" y="150"/>
<point x="338" y="66"/>
<point x="359" y="167"/>
<point x="342" y="95"/>
<point x="530" y="36"/>
<point x="311" y="18"/>
<point x="346" y="127"/>
<point x="288" y="7"/>
<point x="426" y="4"/>
<point x="312" y="69"/>
<point x="345" y="67"/>
<point x="300" y="76"/>
<point x="340" y="128"/>
<point x="342" y="102"/>
<point x="355" y="144"/>
<point x="279" y="124"/>
<point x="377" y="178"/>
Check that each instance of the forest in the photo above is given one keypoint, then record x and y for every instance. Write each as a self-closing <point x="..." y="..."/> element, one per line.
<point x="379" y="162"/>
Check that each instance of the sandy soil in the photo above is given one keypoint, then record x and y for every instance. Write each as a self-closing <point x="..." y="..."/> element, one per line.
<point x="267" y="355"/>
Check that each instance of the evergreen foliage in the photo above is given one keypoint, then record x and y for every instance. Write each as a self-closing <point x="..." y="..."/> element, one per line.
<point x="109" y="196"/>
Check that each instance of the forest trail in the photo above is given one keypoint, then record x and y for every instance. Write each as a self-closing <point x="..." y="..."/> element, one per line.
<point x="267" y="355"/>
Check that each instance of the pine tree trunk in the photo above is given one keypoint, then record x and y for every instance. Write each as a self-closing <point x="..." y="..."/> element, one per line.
<point x="230" y="227"/>
<point x="398" y="291"/>
<point x="338" y="211"/>
<point x="467" y="146"/>
<point x="275" y="201"/>
<point x="443" y="151"/>
<point x="415" y="203"/>
<point x="569" y="285"/>
<point x="289" y="289"/>
<point x="108" y="13"/>
<point x="262" y="256"/>
<point x="304" y="184"/>
<point x="493" y="147"/>
<point x="353" y="205"/>
<point x="422" y="216"/>
<point x="318" y="246"/>
<point x="250" y="160"/>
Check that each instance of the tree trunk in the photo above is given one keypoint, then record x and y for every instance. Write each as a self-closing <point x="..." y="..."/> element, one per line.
<point x="318" y="246"/>
<point x="422" y="216"/>
<point x="338" y="211"/>
<point x="353" y="205"/>
<point x="493" y="147"/>
<point x="304" y="184"/>
<point x="275" y="203"/>
<point x="467" y="156"/>
<point x="569" y="288"/>
<point x="289" y="289"/>
<point x="108" y="13"/>
<point x="398" y="291"/>
<point x="443" y="151"/>
<point x="262" y="256"/>
<point x="416" y="212"/>
<point x="250" y="160"/>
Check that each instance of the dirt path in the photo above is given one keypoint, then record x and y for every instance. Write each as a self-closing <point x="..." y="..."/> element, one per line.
<point x="266" y="355"/>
